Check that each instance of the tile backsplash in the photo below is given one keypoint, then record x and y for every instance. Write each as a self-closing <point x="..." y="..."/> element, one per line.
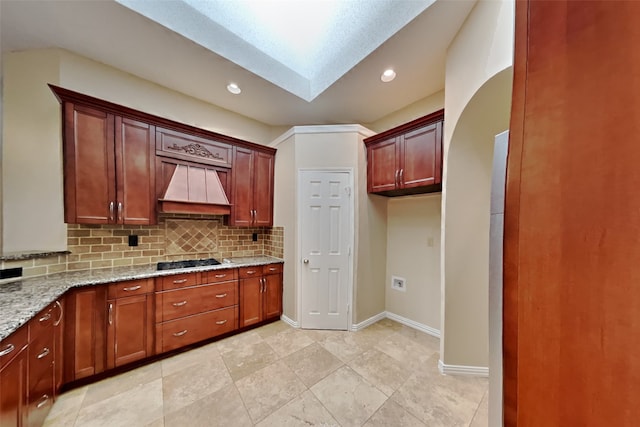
<point x="175" y="237"/>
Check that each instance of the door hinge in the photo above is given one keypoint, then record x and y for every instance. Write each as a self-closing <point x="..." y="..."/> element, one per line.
<point x="348" y="309"/>
<point x="349" y="251"/>
<point x="348" y="191"/>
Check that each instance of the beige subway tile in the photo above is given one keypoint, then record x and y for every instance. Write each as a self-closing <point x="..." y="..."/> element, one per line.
<point x="34" y="271"/>
<point x="160" y="246"/>
<point x="113" y="240"/>
<point x="101" y="248"/>
<point x="90" y="256"/>
<point x="71" y="241"/>
<point x="25" y="263"/>
<point x="112" y="255"/>
<point x="156" y="232"/>
<point x="122" y="262"/>
<point x="142" y="260"/>
<point x="84" y="265"/>
<point x="45" y="261"/>
<point x="56" y="268"/>
<point x="132" y="254"/>
<point x="121" y="233"/>
<point x="102" y="264"/>
<point x="120" y="247"/>
<point x="90" y="240"/>
<point x="101" y="232"/>
<point x="151" y="252"/>
<point x="78" y="233"/>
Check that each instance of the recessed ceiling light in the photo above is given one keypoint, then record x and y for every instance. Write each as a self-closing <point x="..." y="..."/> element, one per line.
<point x="388" y="75"/>
<point x="234" y="88"/>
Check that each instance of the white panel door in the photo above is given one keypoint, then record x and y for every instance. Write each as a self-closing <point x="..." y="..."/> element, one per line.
<point x="325" y="239"/>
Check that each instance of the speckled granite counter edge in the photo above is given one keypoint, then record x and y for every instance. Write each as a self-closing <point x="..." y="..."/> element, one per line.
<point x="21" y="300"/>
<point x="31" y="255"/>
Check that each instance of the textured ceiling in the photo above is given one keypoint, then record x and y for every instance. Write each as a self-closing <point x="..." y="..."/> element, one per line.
<point x="300" y="46"/>
<point x="108" y="32"/>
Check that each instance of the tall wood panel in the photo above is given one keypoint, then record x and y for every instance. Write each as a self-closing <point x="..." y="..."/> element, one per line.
<point x="572" y="217"/>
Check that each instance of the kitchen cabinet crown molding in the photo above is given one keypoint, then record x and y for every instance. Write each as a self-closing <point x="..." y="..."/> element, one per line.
<point x="67" y="95"/>
<point x="436" y="116"/>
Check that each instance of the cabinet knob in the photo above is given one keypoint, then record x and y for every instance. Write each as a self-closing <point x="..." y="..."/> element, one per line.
<point x="44" y="353"/>
<point x="306" y="261"/>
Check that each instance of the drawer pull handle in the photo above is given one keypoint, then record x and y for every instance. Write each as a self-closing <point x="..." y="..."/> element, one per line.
<point x="179" y="304"/>
<point x="7" y="350"/>
<point x="179" y="334"/>
<point x="43" y="401"/>
<point x="44" y="353"/>
<point x="220" y="276"/>
<point x="272" y="269"/>
<point x="132" y="288"/>
<point x="45" y="317"/>
<point x="221" y="295"/>
<point x="57" y="322"/>
<point x="221" y="322"/>
<point x="180" y="281"/>
<point x="251" y="272"/>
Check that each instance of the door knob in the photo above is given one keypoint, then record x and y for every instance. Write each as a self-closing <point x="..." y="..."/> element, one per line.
<point x="306" y="261"/>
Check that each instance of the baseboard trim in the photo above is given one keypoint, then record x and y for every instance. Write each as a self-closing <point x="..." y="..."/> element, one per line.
<point x="475" y="371"/>
<point x="370" y="321"/>
<point x="289" y="322"/>
<point x="413" y="324"/>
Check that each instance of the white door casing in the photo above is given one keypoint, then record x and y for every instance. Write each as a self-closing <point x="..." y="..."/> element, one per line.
<point x="326" y="235"/>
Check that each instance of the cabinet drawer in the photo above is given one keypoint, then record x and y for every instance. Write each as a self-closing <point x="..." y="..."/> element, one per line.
<point x="271" y="269"/>
<point x="185" y="302"/>
<point x="11" y="346"/>
<point x="40" y="356"/>
<point x="249" y="272"/>
<point x="130" y="288"/>
<point x="42" y="323"/>
<point x="40" y="399"/>
<point x="179" y="281"/>
<point x="219" y="275"/>
<point x="178" y="333"/>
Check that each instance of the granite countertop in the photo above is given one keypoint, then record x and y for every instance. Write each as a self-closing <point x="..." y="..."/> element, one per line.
<point x="21" y="300"/>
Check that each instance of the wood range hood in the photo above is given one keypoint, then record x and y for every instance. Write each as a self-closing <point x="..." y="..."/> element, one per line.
<point x="194" y="189"/>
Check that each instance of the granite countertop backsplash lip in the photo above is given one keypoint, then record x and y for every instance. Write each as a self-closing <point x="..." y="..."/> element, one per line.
<point x="23" y="299"/>
<point x="22" y="256"/>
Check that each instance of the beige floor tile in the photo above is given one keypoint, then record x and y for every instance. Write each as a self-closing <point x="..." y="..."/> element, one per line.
<point x="272" y="329"/>
<point x="268" y="389"/>
<point x="301" y="411"/>
<point x="405" y="350"/>
<point x="156" y="423"/>
<point x="481" y="418"/>
<point x="349" y="397"/>
<point x="312" y="363"/>
<point x="238" y="342"/>
<point x="381" y="370"/>
<point x="189" y="358"/>
<point x="392" y="414"/>
<point x="97" y="392"/>
<point x="441" y="400"/>
<point x="319" y="334"/>
<point x="429" y="341"/>
<point x="391" y="324"/>
<point x="371" y="335"/>
<point x="136" y="407"/>
<point x="219" y="409"/>
<point x="193" y="383"/>
<point x="289" y="341"/>
<point x="246" y="360"/>
<point x="343" y="345"/>
<point x="66" y="408"/>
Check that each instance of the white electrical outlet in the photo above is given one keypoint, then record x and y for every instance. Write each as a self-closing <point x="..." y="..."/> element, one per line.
<point x="398" y="283"/>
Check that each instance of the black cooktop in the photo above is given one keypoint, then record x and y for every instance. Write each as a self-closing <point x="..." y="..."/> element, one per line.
<point x="172" y="265"/>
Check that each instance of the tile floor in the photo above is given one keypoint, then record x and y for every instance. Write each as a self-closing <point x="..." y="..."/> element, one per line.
<point x="383" y="375"/>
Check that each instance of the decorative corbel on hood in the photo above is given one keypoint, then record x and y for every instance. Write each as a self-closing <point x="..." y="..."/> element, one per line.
<point x="194" y="189"/>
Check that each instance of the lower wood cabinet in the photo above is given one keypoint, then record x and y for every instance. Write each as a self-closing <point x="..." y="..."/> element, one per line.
<point x="85" y="332"/>
<point x="13" y="379"/>
<point x="260" y="293"/>
<point x="129" y="322"/>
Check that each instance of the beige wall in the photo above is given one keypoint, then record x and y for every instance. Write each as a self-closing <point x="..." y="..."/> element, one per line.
<point x="476" y="109"/>
<point x="326" y="147"/>
<point x="413" y="111"/>
<point x="31" y="150"/>
<point x="413" y="253"/>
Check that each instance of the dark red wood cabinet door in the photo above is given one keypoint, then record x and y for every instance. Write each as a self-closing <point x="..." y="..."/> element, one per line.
<point x="263" y="189"/>
<point x="242" y="186"/>
<point x="272" y="296"/>
<point x="85" y="333"/>
<point x="571" y="272"/>
<point x="13" y="391"/>
<point x="89" y="176"/>
<point x="420" y="163"/>
<point x="135" y="172"/>
<point x="250" y="301"/>
<point x="129" y="336"/>
<point x="383" y="165"/>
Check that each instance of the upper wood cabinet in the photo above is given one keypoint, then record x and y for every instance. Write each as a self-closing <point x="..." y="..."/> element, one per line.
<point x="108" y="168"/>
<point x="407" y="159"/>
<point x="119" y="164"/>
<point x="252" y="188"/>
